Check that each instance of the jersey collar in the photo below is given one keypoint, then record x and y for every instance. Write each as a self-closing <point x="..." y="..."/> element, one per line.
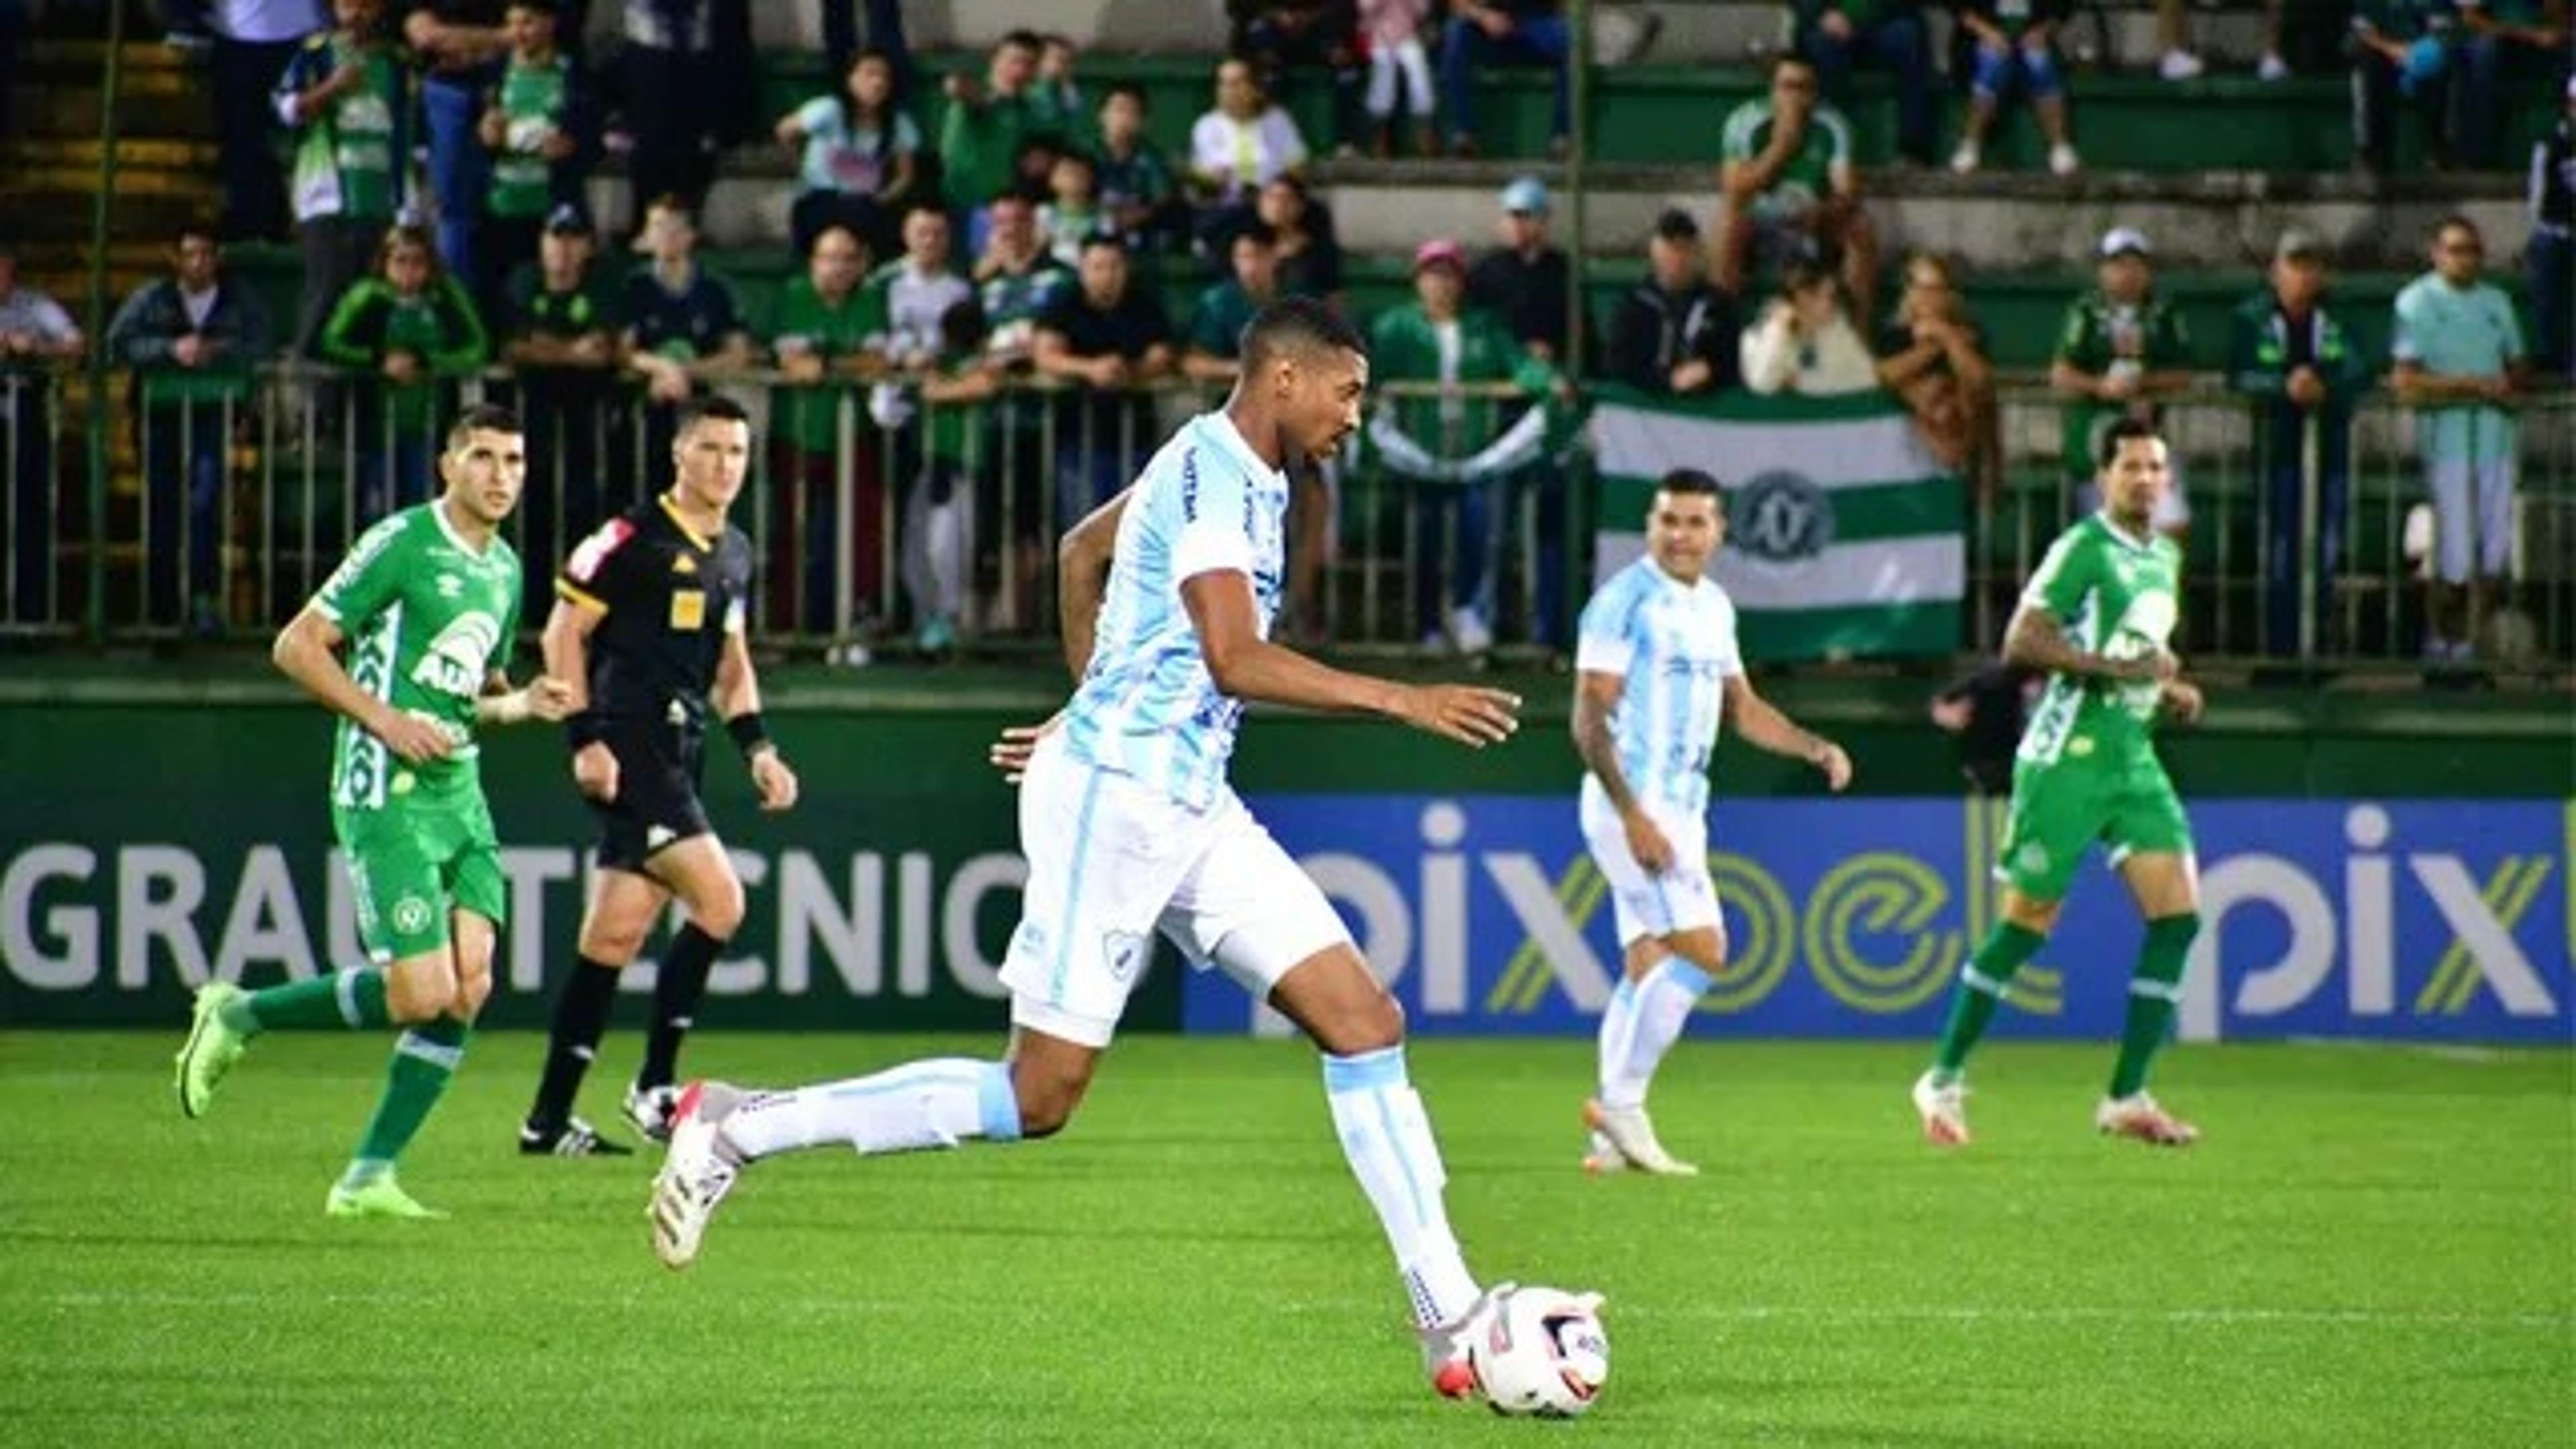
<point x="438" y="510"/>
<point x="2134" y="545"/>
<point x="1231" y="439"/>
<point x="704" y="544"/>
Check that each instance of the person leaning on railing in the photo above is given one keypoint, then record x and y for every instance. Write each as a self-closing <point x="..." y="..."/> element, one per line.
<point x="2301" y="371"/>
<point x="36" y="337"/>
<point x="192" y="338"/>
<point x="409" y="326"/>
<point x="820" y="333"/>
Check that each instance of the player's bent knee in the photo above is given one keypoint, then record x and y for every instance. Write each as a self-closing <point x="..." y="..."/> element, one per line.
<point x="720" y="915"/>
<point x="418" y="991"/>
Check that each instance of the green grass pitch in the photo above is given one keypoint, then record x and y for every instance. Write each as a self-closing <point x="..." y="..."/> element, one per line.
<point x="2371" y="1246"/>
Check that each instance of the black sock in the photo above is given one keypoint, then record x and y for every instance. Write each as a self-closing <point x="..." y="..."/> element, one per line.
<point x="676" y="989"/>
<point x="581" y="1015"/>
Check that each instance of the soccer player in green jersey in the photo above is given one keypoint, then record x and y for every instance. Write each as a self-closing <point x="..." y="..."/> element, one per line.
<point x="2098" y="617"/>
<point x="427" y="603"/>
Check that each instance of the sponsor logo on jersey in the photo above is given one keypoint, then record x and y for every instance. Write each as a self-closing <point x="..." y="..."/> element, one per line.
<point x="450" y="586"/>
<point x="1780" y="517"/>
<point x="457" y="659"/>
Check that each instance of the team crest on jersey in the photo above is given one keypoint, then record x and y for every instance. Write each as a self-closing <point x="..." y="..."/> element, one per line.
<point x="411" y="915"/>
<point x="2032" y="858"/>
<point x="456" y="660"/>
<point x="1780" y="517"/>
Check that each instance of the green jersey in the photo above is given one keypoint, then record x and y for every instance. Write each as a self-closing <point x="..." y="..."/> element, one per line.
<point x="429" y="618"/>
<point x="349" y="156"/>
<point x="1820" y="166"/>
<point x="808" y="415"/>
<point x="535" y="102"/>
<point x="2101" y="336"/>
<point x="2118" y="597"/>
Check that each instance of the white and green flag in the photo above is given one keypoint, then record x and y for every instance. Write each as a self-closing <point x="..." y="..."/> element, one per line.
<point x="1843" y="537"/>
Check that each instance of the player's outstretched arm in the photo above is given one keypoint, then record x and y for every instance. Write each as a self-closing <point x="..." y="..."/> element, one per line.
<point x="2035" y="641"/>
<point x="1249" y="667"/>
<point x="1082" y="577"/>
<point x="1764" y="727"/>
<point x="308" y="651"/>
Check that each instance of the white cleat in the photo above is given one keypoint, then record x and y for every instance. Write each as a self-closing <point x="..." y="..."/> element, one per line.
<point x="2137" y="1116"/>
<point x="2062" y="160"/>
<point x="1629" y="1130"/>
<point x="696" y="1173"/>
<point x="1603" y="1156"/>
<point x="1445" y="1348"/>
<point x="1944" y="1106"/>
<point x="1964" y="160"/>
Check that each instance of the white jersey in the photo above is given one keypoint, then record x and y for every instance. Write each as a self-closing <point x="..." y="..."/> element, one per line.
<point x="1147" y="707"/>
<point x="1674" y="644"/>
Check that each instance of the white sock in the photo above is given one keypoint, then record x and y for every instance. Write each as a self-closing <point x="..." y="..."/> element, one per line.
<point x="1618" y="1035"/>
<point x="1388" y="1141"/>
<point x="934" y="1103"/>
<point x="1664" y="1001"/>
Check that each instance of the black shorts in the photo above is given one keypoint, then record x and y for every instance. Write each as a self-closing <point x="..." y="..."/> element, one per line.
<point x="657" y="806"/>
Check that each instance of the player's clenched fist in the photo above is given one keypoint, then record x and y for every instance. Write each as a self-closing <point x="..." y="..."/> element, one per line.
<point x="776" y="782"/>
<point x="594" y="770"/>
<point x="549" y="699"/>
<point x="1470" y="714"/>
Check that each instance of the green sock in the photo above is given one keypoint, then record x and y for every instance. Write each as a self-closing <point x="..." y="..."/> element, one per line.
<point x="1981" y="990"/>
<point x="2154" y="990"/>
<point x="424" y="1058"/>
<point x="354" y="998"/>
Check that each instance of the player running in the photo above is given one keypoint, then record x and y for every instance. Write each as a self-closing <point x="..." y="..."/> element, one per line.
<point x="428" y="601"/>
<point x="649" y="621"/>
<point x="1657" y="670"/>
<point x="1168" y="594"/>
<point x="2098" y="616"/>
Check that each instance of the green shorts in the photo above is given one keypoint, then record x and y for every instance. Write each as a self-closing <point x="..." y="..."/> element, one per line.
<point x="2061" y="810"/>
<point x="412" y="862"/>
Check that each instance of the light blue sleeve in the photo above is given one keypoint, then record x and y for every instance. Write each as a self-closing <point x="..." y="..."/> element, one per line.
<point x="2407" y="344"/>
<point x="1214" y="507"/>
<point x="1604" y="639"/>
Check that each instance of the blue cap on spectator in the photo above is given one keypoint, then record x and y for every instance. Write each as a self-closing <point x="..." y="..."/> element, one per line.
<point x="1526" y="194"/>
<point x="567" y="220"/>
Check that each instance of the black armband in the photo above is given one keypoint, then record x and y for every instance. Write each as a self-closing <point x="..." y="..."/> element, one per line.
<point x="584" y="729"/>
<point x="749" y="734"/>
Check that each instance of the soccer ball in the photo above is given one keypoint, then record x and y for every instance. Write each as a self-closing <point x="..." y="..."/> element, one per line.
<point x="1546" y="1354"/>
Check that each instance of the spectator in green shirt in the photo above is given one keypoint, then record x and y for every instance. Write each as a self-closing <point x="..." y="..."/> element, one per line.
<point x="823" y="323"/>
<point x="979" y="139"/>
<point x="1439" y="339"/>
<point x="346" y="99"/>
<point x="939" y="544"/>
<point x="1791" y="188"/>
<point x="2119" y="350"/>
<point x="536" y="123"/>
<point x="560" y="334"/>
<point x="409" y="327"/>
<point x="1136" y="187"/>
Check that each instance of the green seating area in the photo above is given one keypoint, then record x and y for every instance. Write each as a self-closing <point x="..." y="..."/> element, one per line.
<point x="1672" y="113"/>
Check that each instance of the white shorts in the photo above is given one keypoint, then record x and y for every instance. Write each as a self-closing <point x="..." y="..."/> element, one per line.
<point x="1683" y="898"/>
<point x="1111" y="861"/>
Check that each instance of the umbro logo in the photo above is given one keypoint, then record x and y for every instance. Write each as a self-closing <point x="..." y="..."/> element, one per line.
<point x="450" y="586"/>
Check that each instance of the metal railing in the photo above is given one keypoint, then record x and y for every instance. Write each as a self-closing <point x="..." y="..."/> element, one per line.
<point x="2308" y="541"/>
<point x="879" y="516"/>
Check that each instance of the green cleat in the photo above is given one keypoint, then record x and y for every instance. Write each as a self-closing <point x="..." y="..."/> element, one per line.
<point x="377" y="1197"/>
<point x="212" y="1048"/>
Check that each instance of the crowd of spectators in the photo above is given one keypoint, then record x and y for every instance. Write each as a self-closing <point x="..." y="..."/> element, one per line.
<point x="952" y="236"/>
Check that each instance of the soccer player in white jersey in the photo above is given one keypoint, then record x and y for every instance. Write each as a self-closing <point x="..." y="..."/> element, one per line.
<point x="1168" y="593"/>
<point x="1657" y="668"/>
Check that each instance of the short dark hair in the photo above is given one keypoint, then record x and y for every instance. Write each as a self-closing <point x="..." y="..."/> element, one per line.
<point x="2121" y="432"/>
<point x="1104" y="240"/>
<point x="2461" y="220"/>
<point x="1297" y="325"/>
<point x="1023" y="39"/>
<point x="713" y="408"/>
<point x="1259" y="231"/>
<point x="481" y="418"/>
<point x="1789" y="58"/>
<point x="1127" y="88"/>
<point x="961" y="327"/>
<point x="673" y="201"/>
<point x="1690" y="483"/>
<point x="1675" y="225"/>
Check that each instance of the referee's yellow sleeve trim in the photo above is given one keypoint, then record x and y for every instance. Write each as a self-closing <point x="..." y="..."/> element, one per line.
<point x="579" y="597"/>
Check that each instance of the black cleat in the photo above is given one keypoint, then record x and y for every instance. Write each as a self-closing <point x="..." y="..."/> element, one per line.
<point x="573" y="1139"/>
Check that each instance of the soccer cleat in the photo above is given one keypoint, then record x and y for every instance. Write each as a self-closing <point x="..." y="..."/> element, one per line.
<point x="378" y="1197"/>
<point x="695" y="1175"/>
<point x="2062" y="160"/>
<point x="2138" y="1116"/>
<point x="651" y="1109"/>
<point x="1633" y="1135"/>
<point x="575" y="1138"/>
<point x="1964" y="160"/>
<point x="211" y="1050"/>
<point x="1445" y="1346"/>
<point x="1944" y="1106"/>
<point x="1602" y="1155"/>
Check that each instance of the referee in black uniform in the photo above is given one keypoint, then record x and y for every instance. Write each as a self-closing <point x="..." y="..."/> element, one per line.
<point x="650" y="616"/>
